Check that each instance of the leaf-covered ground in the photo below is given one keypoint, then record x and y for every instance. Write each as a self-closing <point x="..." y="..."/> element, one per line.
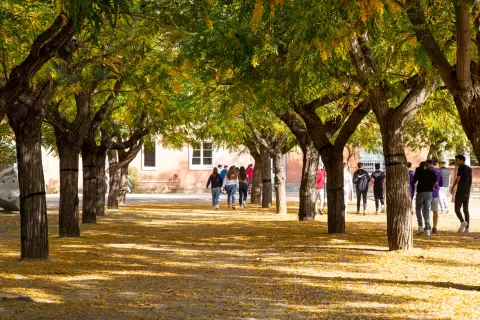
<point x="190" y="262"/>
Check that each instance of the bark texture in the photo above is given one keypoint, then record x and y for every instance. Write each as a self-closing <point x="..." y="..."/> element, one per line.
<point x="26" y="118"/>
<point x="256" y="189"/>
<point x="320" y="133"/>
<point x="310" y="165"/>
<point x="280" y="184"/>
<point x="463" y="78"/>
<point x="44" y="47"/>
<point x="266" y="178"/>
<point x="69" y="139"/>
<point x="392" y="122"/>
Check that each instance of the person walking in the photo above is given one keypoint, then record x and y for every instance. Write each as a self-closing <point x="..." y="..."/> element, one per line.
<point x="436" y="193"/>
<point x="223" y="173"/>
<point x="243" y="186"/>
<point x="378" y="181"/>
<point x="444" y="189"/>
<point x="321" y="177"/>
<point x="230" y="185"/>
<point x="360" y="180"/>
<point x="425" y="179"/>
<point x="249" y="172"/>
<point x="463" y="182"/>
<point x="411" y="173"/>
<point x="216" y="181"/>
<point x="347" y="186"/>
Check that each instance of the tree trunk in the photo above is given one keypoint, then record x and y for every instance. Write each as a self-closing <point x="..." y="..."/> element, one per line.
<point x="68" y="222"/>
<point x="266" y="178"/>
<point x="399" y="221"/>
<point x="280" y="186"/>
<point x="123" y="183"/>
<point x="100" y="203"/>
<point x="333" y="162"/>
<point x="308" y="183"/>
<point x="115" y="180"/>
<point x="89" y="210"/>
<point x="256" y="196"/>
<point x="33" y="205"/>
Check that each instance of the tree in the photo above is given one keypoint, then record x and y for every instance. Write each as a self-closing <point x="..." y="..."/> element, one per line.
<point x="311" y="160"/>
<point x="26" y="117"/>
<point x="457" y="20"/>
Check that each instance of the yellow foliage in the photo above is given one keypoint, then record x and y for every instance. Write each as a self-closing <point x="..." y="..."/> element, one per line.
<point x="209" y="22"/>
<point x="257" y="14"/>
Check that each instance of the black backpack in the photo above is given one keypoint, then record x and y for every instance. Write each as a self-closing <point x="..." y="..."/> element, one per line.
<point x="362" y="181"/>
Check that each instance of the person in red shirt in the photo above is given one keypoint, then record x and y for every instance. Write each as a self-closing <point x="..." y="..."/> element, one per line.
<point x="321" y="178"/>
<point x="249" y="172"/>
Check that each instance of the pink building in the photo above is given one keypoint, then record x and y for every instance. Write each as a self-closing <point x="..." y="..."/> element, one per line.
<point x="187" y="169"/>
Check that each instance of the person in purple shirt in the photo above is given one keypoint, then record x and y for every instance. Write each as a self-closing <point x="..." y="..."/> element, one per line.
<point x="411" y="173"/>
<point x="432" y="164"/>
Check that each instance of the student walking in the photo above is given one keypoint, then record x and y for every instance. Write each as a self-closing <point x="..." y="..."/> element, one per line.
<point x="321" y="177"/>
<point x="230" y="185"/>
<point x="425" y="179"/>
<point x="223" y="173"/>
<point x="216" y="181"/>
<point x="463" y="182"/>
<point x="243" y="184"/>
<point x="378" y="180"/>
<point x="347" y="186"/>
<point x="411" y="173"/>
<point x="444" y="190"/>
<point x="436" y="193"/>
<point x="360" y="180"/>
<point x="249" y="172"/>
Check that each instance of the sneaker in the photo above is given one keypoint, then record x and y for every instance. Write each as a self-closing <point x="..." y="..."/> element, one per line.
<point x="420" y="230"/>
<point x="434" y="230"/>
<point x="463" y="226"/>
<point x="364" y="213"/>
<point x="383" y="209"/>
<point x="233" y="206"/>
<point x="358" y="212"/>
<point x="245" y="205"/>
<point x="427" y="233"/>
<point x="217" y="207"/>
<point x="467" y="230"/>
<point x="376" y="212"/>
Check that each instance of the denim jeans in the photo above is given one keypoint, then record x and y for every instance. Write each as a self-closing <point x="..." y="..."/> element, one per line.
<point x="423" y="201"/>
<point x="216" y="195"/>
<point x="231" y="190"/>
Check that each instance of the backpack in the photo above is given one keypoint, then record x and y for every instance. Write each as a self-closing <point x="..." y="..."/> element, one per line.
<point x="362" y="181"/>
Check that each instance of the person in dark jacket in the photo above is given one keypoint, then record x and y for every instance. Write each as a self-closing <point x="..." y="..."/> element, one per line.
<point x="378" y="181"/>
<point x="361" y="180"/>
<point x="426" y="179"/>
<point x="216" y="181"/>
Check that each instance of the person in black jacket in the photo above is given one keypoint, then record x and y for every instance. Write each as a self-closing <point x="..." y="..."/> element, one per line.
<point x="216" y="180"/>
<point x="426" y="179"/>
<point x="361" y="180"/>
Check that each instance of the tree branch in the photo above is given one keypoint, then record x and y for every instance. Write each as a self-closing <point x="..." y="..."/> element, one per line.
<point x="425" y="36"/>
<point x="463" y="48"/>
<point x="349" y="127"/>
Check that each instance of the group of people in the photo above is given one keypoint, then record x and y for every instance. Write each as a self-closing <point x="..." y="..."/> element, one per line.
<point x="361" y="180"/>
<point x="430" y="182"/>
<point x="229" y="180"/>
<point x="432" y="185"/>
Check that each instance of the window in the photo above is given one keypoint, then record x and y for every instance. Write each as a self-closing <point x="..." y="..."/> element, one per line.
<point x="149" y="157"/>
<point x="201" y="155"/>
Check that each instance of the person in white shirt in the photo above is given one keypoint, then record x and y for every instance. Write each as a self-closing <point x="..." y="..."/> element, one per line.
<point x="347" y="185"/>
<point x="230" y="185"/>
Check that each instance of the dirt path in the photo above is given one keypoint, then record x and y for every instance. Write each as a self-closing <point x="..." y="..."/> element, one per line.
<point x="189" y="262"/>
